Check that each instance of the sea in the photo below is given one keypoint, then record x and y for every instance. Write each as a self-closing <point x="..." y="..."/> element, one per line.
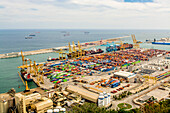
<point x="13" y="40"/>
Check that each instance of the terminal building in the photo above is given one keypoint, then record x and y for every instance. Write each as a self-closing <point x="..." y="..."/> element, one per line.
<point x="125" y="75"/>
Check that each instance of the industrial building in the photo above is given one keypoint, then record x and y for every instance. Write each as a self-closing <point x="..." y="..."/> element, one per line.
<point x="83" y="92"/>
<point x="32" y="102"/>
<point x="125" y="75"/>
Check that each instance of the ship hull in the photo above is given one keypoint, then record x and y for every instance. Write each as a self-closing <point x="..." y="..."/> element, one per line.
<point x="161" y="43"/>
<point x="25" y="78"/>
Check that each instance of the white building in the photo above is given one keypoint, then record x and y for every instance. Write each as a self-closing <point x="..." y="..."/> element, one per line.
<point x="126" y="75"/>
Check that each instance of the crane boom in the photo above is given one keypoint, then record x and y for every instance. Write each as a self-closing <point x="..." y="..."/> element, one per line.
<point x="21" y="78"/>
<point x="69" y="47"/>
<point x="74" y="48"/>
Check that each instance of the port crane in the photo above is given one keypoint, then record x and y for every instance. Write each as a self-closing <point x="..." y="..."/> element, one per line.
<point x="40" y="78"/>
<point x="24" y="60"/>
<point x="147" y="77"/>
<point x="72" y="52"/>
<point x="135" y="42"/>
<point x="81" y="52"/>
<point x="25" y="84"/>
<point x="62" y="55"/>
<point x="122" y="47"/>
<point x="75" y="53"/>
<point x="33" y="68"/>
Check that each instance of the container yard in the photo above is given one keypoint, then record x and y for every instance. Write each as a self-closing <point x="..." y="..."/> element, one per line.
<point x="92" y="76"/>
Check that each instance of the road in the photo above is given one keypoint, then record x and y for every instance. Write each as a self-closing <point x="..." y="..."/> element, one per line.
<point x="129" y="99"/>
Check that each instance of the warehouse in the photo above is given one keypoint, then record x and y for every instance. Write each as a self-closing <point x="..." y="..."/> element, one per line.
<point x="126" y="75"/>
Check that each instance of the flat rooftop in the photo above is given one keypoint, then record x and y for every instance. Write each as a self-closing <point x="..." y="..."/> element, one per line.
<point x="125" y="74"/>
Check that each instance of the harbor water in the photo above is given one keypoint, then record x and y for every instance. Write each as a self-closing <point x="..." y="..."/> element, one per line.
<point x="14" y="41"/>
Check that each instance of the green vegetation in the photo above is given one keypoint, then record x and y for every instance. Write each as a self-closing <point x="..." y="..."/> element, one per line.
<point x="161" y="107"/>
<point x="142" y="89"/>
<point x="124" y="106"/>
<point x="122" y="95"/>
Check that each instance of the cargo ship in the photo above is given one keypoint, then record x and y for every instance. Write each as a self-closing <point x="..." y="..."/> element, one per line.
<point x="28" y="37"/>
<point x="115" y="47"/>
<point x="26" y="76"/>
<point x="32" y="35"/>
<point x="163" y="41"/>
<point x="52" y="59"/>
<point x="88" y="52"/>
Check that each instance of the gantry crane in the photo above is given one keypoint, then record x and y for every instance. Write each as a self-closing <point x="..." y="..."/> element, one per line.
<point x="149" y="77"/>
<point x="135" y="42"/>
<point x="74" y="48"/>
<point x="24" y="60"/>
<point x="25" y="84"/>
<point x="40" y="77"/>
<point x="80" y="53"/>
<point x="73" y="53"/>
<point x="70" y="51"/>
<point x="62" y="55"/>
<point x="33" y="68"/>
<point x="121" y="45"/>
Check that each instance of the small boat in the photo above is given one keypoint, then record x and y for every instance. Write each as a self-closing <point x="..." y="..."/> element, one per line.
<point x="139" y="42"/>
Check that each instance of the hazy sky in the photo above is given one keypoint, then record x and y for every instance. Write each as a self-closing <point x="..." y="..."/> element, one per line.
<point x="85" y="14"/>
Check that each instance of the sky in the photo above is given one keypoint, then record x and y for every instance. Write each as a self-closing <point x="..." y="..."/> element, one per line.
<point x="84" y="14"/>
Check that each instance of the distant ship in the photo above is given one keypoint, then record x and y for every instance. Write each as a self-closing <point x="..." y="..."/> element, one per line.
<point x="28" y="37"/>
<point x="32" y="35"/>
<point x="67" y="34"/>
<point x="86" y="32"/>
<point x="163" y="41"/>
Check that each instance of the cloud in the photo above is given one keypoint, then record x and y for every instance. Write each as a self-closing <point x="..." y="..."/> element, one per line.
<point x="1" y="7"/>
<point x="114" y="14"/>
<point x="140" y="1"/>
<point x="34" y="9"/>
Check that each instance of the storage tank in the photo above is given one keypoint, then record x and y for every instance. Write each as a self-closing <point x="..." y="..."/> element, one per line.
<point x="101" y="94"/>
<point x="108" y="98"/>
<point x="49" y="111"/>
<point x="105" y="98"/>
<point x="63" y="110"/>
<point x="3" y="106"/>
<point x="101" y="101"/>
<point x="56" y="110"/>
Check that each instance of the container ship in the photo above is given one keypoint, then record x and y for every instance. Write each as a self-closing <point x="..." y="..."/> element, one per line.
<point x="69" y="55"/>
<point x="88" y="52"/>
<point x="115" y="47"/>
<point x="26" y="76"/>
<point x="163" y="41"/>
